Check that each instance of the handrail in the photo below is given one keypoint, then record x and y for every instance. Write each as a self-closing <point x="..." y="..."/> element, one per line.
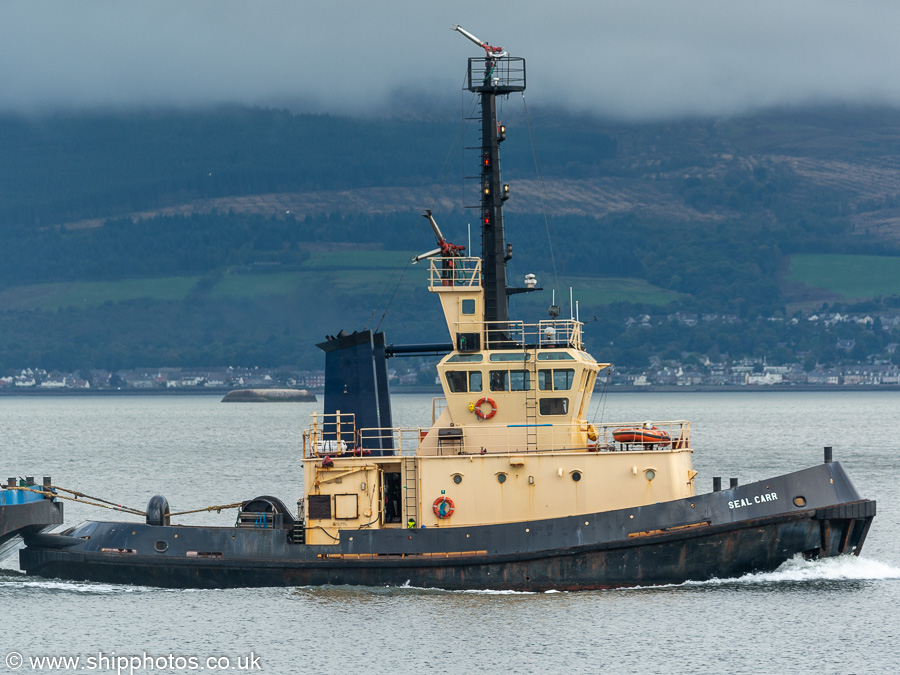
<point x="454" y="272"/>
<point x="577" y="436"/>
<point x="545" y="334"/>
<point x="329" y="433"/>
<point x="438" y="406"/>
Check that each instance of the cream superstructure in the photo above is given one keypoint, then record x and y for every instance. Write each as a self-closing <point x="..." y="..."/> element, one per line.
<point x="509" y="441"/>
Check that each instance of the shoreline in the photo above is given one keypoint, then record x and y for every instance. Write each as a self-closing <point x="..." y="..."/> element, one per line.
<point x="630" y="389"/>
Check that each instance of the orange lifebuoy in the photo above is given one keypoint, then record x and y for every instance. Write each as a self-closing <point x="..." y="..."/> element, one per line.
<point x="485" y="415"/>
<point x="443" y="507"/>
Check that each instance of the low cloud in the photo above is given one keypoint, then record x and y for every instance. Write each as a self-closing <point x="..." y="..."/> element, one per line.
<point x="652" y="59"/>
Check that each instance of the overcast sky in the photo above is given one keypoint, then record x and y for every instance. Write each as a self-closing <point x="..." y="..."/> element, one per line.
<point x="627" y="58"/>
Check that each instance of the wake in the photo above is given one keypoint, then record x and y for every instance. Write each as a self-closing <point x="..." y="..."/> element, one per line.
<point x="838" y="568"/>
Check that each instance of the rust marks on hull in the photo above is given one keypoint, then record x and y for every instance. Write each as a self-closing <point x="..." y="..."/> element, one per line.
<point x="388" y="556"/>
<point x="667" y="530"/>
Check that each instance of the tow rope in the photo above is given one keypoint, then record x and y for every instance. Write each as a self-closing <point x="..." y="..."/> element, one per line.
<point x="82" y="498"/>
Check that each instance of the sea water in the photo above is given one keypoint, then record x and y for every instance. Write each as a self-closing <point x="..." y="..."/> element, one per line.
<point x="838" y="615"/>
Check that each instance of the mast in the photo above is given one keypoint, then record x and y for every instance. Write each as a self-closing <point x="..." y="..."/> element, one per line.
<point x="494" y="74"/>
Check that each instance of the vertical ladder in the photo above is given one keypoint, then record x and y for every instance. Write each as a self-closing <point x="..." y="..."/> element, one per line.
<point x="531" y="431"/>
<point x="472" y="183"/>
<point x="410" y="490"/>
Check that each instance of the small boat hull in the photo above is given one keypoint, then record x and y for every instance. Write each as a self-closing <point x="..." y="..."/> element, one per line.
<point x="642" y="436"/>
<point x="720" y="534"/>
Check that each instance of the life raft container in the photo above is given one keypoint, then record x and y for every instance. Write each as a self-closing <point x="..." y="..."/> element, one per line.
<point x="642" y="436"/>
<point x="443" y="507"/>
<point x="480" y="414"/>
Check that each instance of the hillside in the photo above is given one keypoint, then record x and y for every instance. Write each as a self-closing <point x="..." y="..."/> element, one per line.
<point x="213" y="237"/>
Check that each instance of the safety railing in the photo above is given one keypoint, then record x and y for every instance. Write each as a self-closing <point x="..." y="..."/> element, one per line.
<point x="547" y="334"/>
<point x="403" y="440"/>
<point x="617" y="437"/>
<point x="329" y="434"/>
<point x="579" y="436"/>
<point x="501" y="75"/>
<point x="454" y="272"/>
<point x="560" y="333"/>
<point x="438" y="406"/>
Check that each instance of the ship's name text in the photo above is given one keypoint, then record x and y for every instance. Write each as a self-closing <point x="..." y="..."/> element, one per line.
<point x="757" y="499"/>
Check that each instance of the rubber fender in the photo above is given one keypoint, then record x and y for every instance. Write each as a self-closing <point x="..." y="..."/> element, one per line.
<point x="158" y="511"/>
<point x="45" y="540"/>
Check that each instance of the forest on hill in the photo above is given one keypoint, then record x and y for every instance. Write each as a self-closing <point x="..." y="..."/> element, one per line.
<point x="242" y="236"/>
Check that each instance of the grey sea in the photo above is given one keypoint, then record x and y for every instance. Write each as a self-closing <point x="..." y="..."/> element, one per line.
<point x="831" y="616"/>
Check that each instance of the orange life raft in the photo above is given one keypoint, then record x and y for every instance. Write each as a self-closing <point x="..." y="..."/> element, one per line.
<point x="642" y="436"/>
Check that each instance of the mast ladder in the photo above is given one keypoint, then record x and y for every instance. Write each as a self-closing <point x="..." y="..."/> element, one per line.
<point x="472" y="157"/>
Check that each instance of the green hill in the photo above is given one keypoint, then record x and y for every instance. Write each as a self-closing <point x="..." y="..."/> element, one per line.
<point x="242" y="236"/>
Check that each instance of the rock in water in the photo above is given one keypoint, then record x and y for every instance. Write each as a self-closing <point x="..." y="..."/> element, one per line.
<point x="269" y="396"/>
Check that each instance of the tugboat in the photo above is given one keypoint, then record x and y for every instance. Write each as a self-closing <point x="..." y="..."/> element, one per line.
<point x="510" y="487"/>
<point x="26" y="508"/>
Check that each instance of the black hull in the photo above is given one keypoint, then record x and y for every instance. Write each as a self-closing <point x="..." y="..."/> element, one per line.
<point x="670" y="543"/>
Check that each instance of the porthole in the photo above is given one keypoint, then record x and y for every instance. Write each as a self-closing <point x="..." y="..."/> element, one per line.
<point x="799" y="500"/>
<point x="501" y="477"/>
<point x="650" y="474"/>
<point x="576" y="476"/>
<point x="160" y="547"/>
<point x="457" y="478"/>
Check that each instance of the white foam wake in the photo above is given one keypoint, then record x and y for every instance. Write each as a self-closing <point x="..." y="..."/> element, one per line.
<point x="838" y="568"/>
<point x="74" y="586"/>
<point x="476" y="591"/>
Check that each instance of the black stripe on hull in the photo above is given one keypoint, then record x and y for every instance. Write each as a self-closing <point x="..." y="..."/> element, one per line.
<point x="754" y="527"/>
<point x="723" y="552"/>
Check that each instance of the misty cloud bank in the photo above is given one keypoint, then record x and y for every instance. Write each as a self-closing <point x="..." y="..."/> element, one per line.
<point x="650" y="59"/>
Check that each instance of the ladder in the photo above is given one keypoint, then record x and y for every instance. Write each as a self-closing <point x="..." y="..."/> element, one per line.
<point x="531" y="404"/>
<point x="410" y="490"/>
<point x="472" y="184"/>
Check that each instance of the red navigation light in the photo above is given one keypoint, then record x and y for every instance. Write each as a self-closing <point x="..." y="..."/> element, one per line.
<point x="487" y="159"/>
<point x="487" y="218"/>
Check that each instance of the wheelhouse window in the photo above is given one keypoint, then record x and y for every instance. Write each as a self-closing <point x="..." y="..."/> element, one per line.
<point x="558" y="379"/>
<point x="499" y="380"/>
<point x="554" y="406"/>
<point x="510" y="356"/>
<point x="456" y="381"/>
<point x="555" y="356"/>
<point x="461" y="381"/>
<point x="563" y="378"/>
<point x="466" y="358"/>
<point x="475" y="380"/>
<point x="519" y="380"/>
<point x="510" y="380"/>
